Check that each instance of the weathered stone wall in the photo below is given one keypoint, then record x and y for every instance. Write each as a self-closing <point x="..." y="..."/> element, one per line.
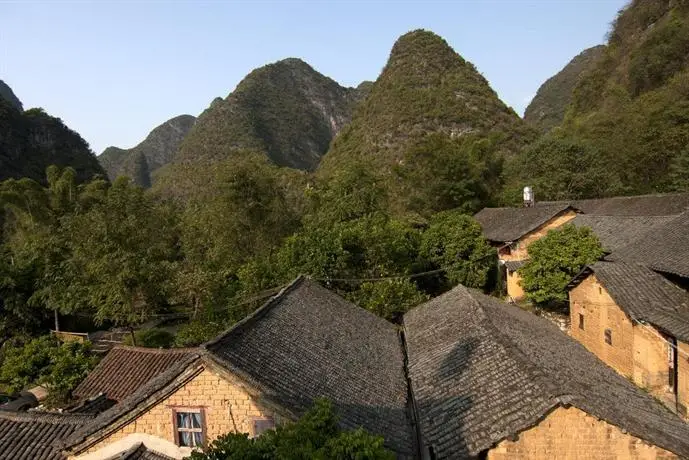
<point x="573" y="434"/>
<point x="683" y="377"/>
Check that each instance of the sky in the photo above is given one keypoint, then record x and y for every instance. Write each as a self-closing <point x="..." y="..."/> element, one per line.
<point x="114" y="70"/>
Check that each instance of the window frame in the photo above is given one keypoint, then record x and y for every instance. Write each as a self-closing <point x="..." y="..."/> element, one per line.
<point x="581" y="322"/>
<point x="607" y="333"/>
<point x="176" y="429"/>
<point x="259" y="419"/>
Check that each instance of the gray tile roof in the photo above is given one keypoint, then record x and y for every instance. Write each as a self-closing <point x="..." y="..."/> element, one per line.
<point x="514" y="265"/>
<point x="615" y="232"/>
<point x="665" y="249"/>
<point x="482" y="371"/>
<point x="306" y="343"/>
<point x="640" y="205"/>
<point x="510" y="224"/>
<point x="124" y="369"/>
<point x="33" y="435"/>
<point x="644" y="295"/>
<point x="140" y="452"/>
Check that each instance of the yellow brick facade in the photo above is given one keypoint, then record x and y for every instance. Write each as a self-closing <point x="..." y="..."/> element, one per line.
<point x="519" y="248"/>
<point x="637" y="352"/>
<point x="227" y="408"/>
<point x="683" y="377"/>
<point x="569" y="433"/>
<point x="514" y="287"/>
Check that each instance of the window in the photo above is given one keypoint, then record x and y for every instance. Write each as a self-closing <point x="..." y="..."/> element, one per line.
<point x="581" y="321"/>
<point x="608" y="336"/>
<point x="188" y="427"/>
<point x="262" y="425"/>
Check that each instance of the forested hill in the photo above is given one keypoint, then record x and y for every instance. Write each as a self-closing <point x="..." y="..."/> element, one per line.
<point x="626" y="130"/>
<point x="431" y="128"/>
<point x="286" y="110"/>
<point x="7" y="94"/>
<point x="547" y="109"/>
<point x="32" y="140"/>
<point x="155" y="151"/>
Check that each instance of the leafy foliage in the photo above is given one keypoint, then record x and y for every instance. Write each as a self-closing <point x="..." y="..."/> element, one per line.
<point x="315" y="436"/>
<point x="455" y="242"/>
<point x="389" y="299"/>
<point x="555" y="259"/>
<point x="151" y="338"/>
<point x="195" y="333"/>
<point x="61" y="367"/>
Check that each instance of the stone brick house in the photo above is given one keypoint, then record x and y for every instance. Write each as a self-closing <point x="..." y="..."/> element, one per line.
<point x="512" y="230"/>
<point x="466" y="377"/>
<point x="493" y="381"/>
<point x="305" y="343"/>
<point x="635" y="320"/>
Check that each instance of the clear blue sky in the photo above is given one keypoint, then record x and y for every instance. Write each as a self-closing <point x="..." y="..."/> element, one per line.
<point x="114" y="70"/>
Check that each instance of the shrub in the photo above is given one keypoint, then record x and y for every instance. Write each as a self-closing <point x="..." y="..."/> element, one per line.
<point x="197" y="332"/>
<point x="151" y="338"/>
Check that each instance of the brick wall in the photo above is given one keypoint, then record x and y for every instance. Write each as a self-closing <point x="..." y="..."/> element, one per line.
<point x="600" y="312"/>
<point x="514" y="288"/>
<point x="227" y="408"/>
<point x="683" y="377"/>
<point x="519" y="251"/>
<point x="573" y="434"/>
<point x="637" y="352"/>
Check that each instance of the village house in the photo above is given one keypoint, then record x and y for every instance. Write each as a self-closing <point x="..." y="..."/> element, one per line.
<point x="637" y="322"/>
<point x="466" y="376"/>
<point x="496" y="382"/>
<point x="615" y="232"/>
<point x="512" y="230"/>
<point x="305" y="343"/>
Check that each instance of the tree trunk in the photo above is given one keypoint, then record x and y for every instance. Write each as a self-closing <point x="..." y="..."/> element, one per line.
<point x="131" y="332"/>
<point x="57" y="321"/>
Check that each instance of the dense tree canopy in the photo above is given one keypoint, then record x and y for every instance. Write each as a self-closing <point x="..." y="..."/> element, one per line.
<point x="555" y="259"/>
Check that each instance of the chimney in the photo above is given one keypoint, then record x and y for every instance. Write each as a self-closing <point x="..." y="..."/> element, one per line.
<point x="529" y="199"/>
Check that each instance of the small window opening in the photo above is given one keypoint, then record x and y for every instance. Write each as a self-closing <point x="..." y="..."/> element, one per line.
<point x="581" y="321"/>
<point x="608" y="336"/>
<point x="189" y="427"/>
<point x="261" y="425"/>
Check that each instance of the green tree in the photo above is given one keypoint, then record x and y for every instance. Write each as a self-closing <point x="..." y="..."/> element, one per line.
<point x="151" y="338"/>
<point x="455" y="242"/>
<point x="389" y="299"/>
<point x="441" y="173"/>
<point x="315" y="436"/>
<point x="555" y="259"/>
<point x="679" y="172"/>
<point x="43" y="360"/>
<point x="123" y="254"/>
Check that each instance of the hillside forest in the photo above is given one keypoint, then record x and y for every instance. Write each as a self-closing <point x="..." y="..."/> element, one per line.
<point x="210" y="216"/>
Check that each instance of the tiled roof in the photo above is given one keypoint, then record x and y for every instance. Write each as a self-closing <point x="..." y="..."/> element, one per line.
<point x="140" y="452"/>
<point x="644" y="295"/>
<point x="483" y="371"/>
<point x="514" y="265"/>
<point x="32" y="435"/>
<point x="136" y="403"/>
<point x="615" y="232"/>
<point x="665" y="249"/>
<point x="124" y="369"/>
<point x="510" y="224"/>
<point x="308" y="342"/>
<point x="640" y="205"/>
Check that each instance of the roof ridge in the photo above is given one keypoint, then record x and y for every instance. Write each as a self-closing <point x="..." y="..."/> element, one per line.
<point x="152" y="350"/>
<point x="257" y="314"/>
<point x="46" y="417"/>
